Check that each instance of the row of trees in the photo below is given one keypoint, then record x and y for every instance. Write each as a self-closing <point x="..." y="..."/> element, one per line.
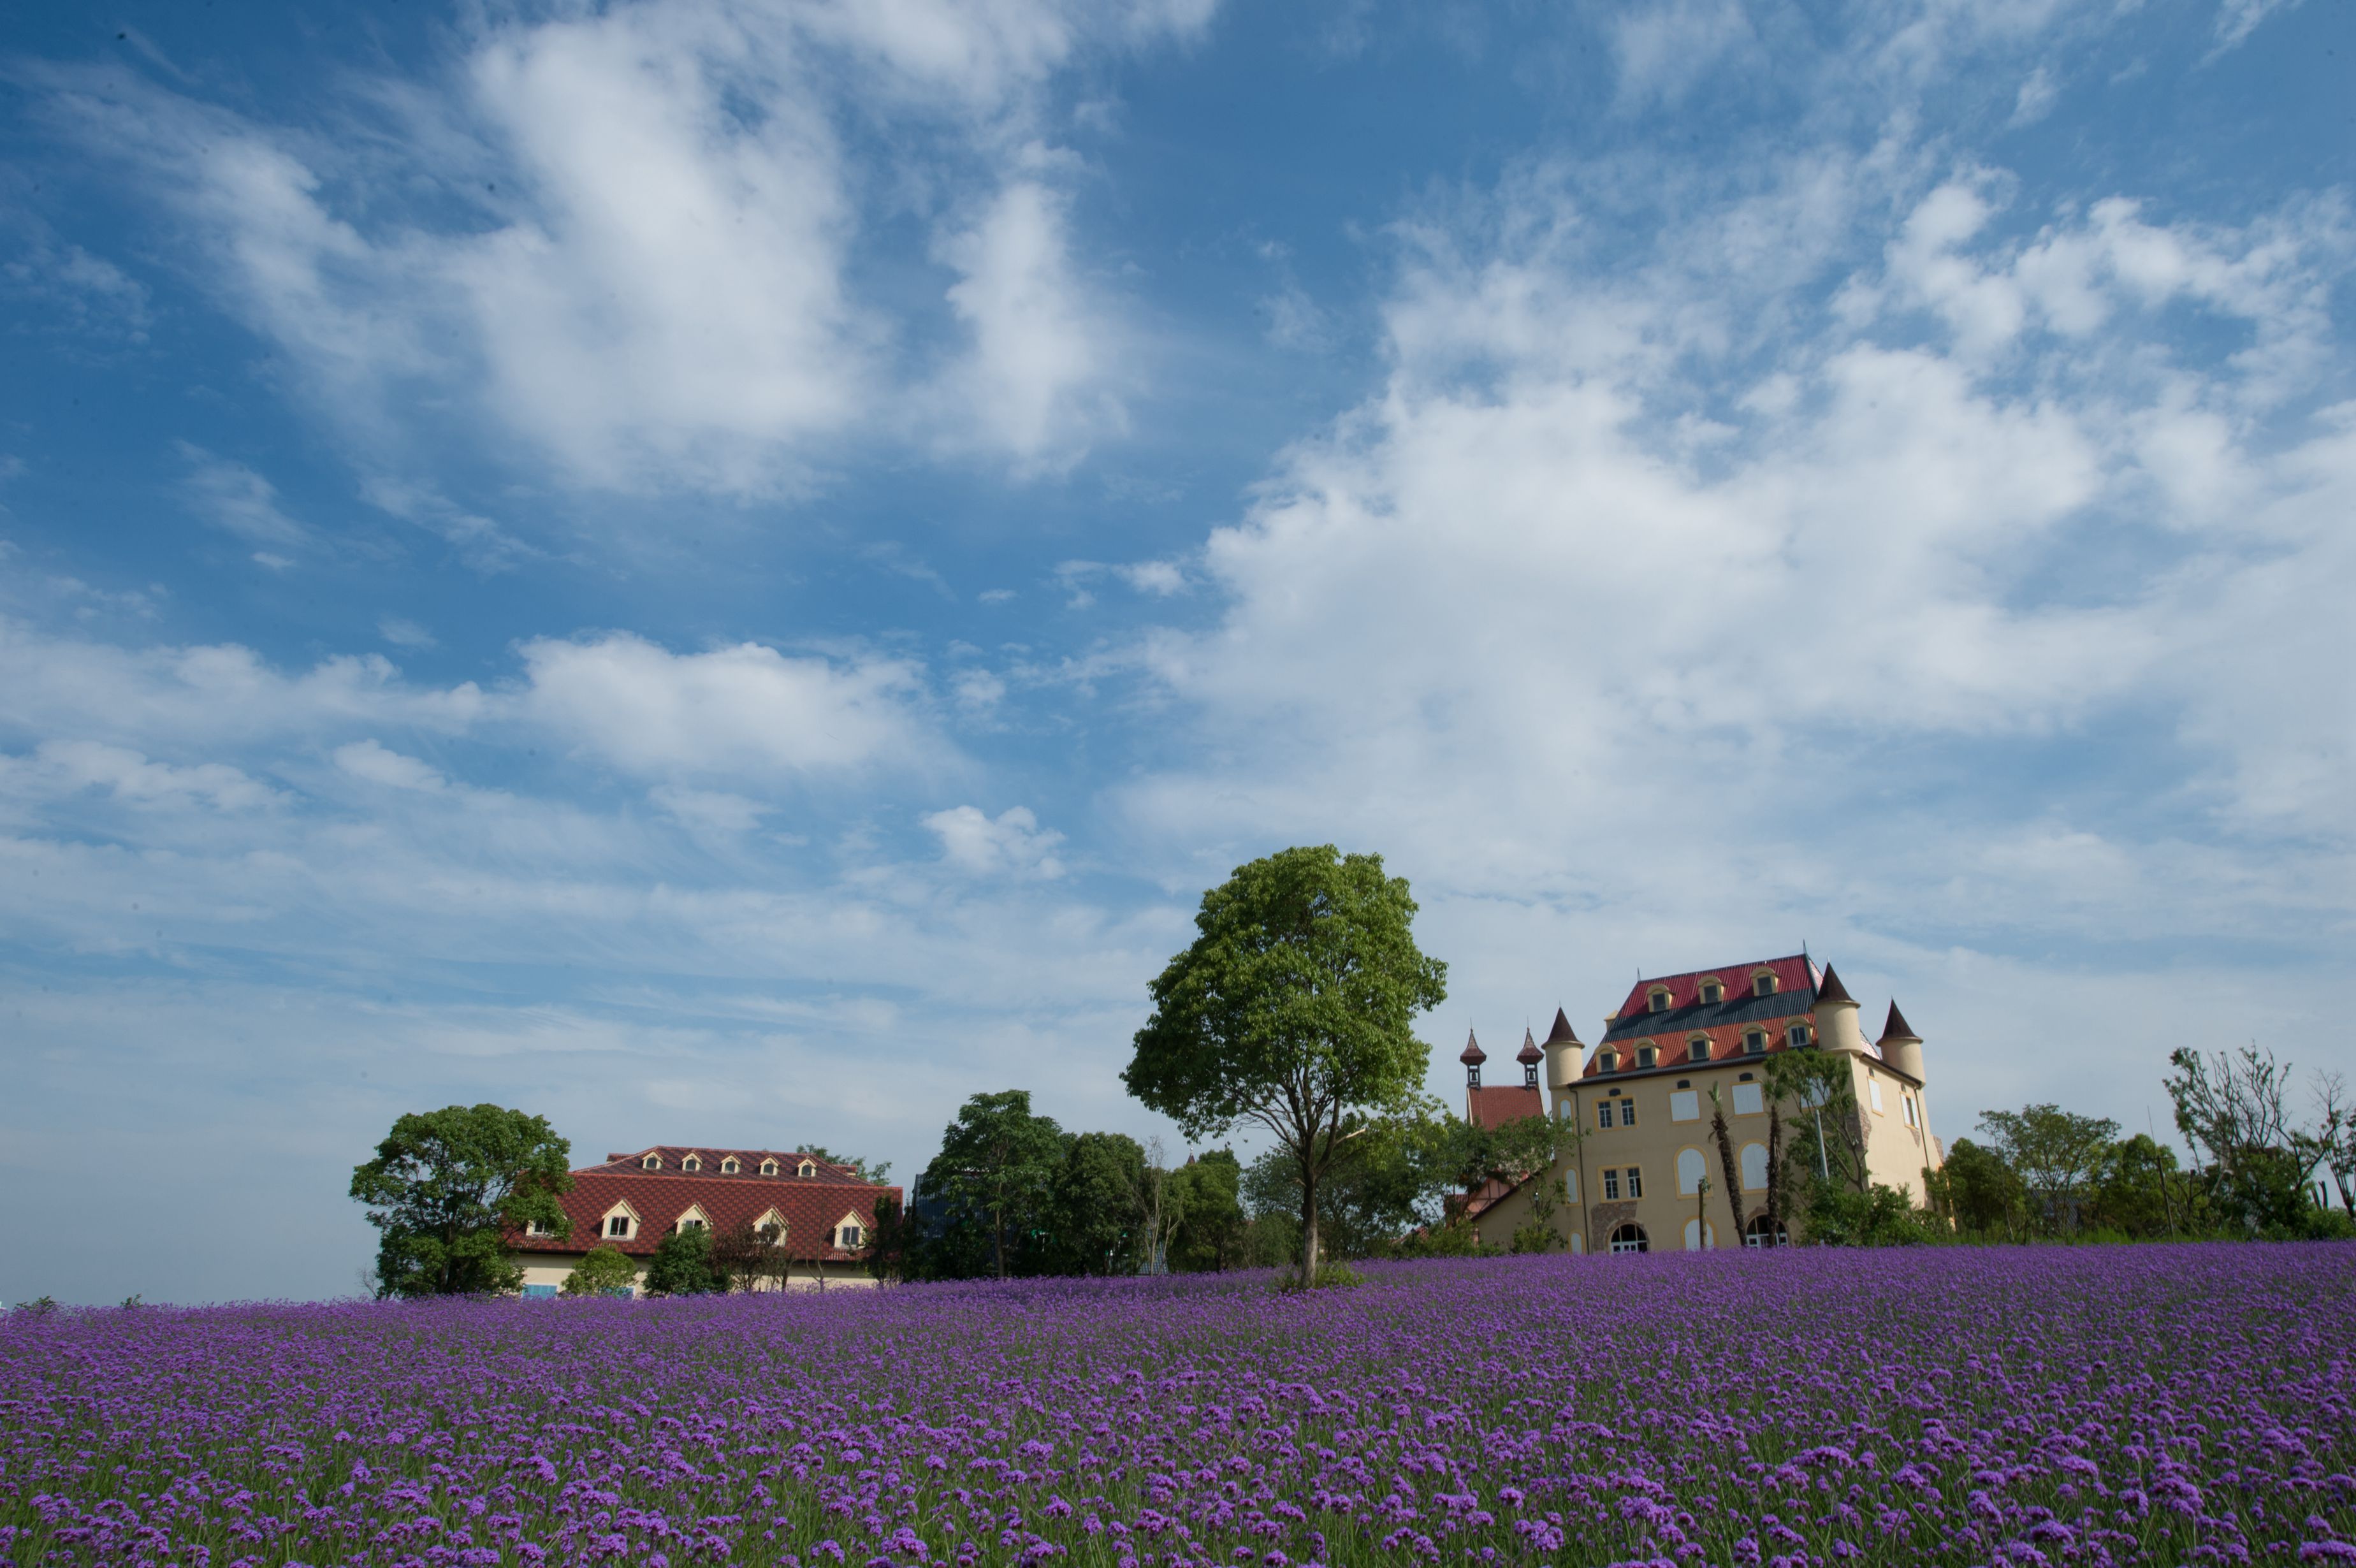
<point x="2042" y="1171"/>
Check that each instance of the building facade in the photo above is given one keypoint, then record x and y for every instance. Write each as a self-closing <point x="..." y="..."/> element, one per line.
<point x="820" y="1214"/>
<point x="1642" y="1100"/>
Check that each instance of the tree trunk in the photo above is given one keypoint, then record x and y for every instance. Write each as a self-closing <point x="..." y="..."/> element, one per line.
<point x="1729" y="1165"/>
<point x="1308" y="1230"/>
<point x="1774" y="1172"/>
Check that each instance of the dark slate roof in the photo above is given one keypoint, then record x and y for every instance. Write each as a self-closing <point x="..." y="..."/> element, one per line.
<point x="1796" y="993"/>
<point x="1473" y="1055"/>
<point x="1898" y="1028"/>
<point x="1529" y="1051"/>
<point x="1562" y="1033"/>
<point x="1832" y="991"/>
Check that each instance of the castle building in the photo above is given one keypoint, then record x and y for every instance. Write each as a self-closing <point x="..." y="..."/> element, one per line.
<point x="1642" y="1101"/>
<point x="820" y="1214"/>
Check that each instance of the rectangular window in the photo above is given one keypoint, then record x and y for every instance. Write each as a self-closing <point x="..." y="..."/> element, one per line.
<point x="1611" y="1184"/>
<point x="540" y="1293"/>
<point x="1747" y="1100"/>
<point x="1604" y="1114"/>
<point x="1627" y="1113"/>
<point x="1873" y="1092"/>
<point x="1635" y="1182"/>
<point x="617" y="1226"/>
<point x="1685" y="1106"/>
<point x="1906" y="1103"/>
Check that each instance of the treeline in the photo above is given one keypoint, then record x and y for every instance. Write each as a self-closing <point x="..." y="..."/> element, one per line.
<point x="1013" y="1194"/>
<point x="2042" y="1172"/>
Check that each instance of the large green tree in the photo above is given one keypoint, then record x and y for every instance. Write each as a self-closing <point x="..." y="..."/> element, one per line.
<point x="1206" y="1192"/>
<point x="2056" y="1153"/>
<point x="1094" y="1219"/>
<point x="447" y="1186"/>
<point x="1293" y="1009"/>
<point x="994" y="1173"/>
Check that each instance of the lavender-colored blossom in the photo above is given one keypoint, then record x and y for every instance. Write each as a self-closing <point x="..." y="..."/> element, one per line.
<point x="2096" y="1406"/>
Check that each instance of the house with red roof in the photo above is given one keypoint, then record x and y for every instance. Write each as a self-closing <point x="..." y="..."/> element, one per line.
<point x="1678" y="1048"/>
<point x="820" y="1213"/>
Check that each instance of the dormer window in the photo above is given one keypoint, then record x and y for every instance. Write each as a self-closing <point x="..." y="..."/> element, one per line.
<point x="1712" y="992"/>
<point x="1797" y="1035"/>
<point x="689" y="1224"/>
<point x="617" y="1225"/>
<point x="768" y="1167"/>
<point x="538" y="1228"/>
<point x="691" y="1163"/>
<point x="1610" y="1061"/>
<point x="1698" y="1050"/>
<point x="1762" y="985"/>
<point x="730" y="1167"/>
<point x="1754" y="1043"/>
<point x="1658" y="1001"/>
<point x="807" y="1169"/>
<point x="653" y="1162"/>
<point x="1646" y="1055"/>
<point x="848" y="1237"/>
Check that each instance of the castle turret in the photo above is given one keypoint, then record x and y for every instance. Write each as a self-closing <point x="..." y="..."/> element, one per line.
<point x="1472" y="1056"/>
<point x="1529" y="1057"/>
<point x="1900" y="1046"/>
<point x="1565" y="1057"/>
<point x="1835" y="1016"/>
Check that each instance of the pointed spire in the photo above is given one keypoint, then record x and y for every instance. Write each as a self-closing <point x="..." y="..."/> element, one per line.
<point x="1530" y="1051"/>
<point x="1896" y="1028"/>
<point x="1832" y="991"/>
<point x="1473" y="1056"/>
<point x="1562" y="1033"/>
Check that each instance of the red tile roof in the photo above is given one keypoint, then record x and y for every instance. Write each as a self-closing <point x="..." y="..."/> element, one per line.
<point x="1494" y="1107"/>
<point x="1724" y="1022"/>
<point x="1791" y="974"/>
<point x="811" y="1206"/>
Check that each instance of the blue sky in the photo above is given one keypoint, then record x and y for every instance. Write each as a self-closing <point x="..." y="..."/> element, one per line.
<point x="728" y="573"/>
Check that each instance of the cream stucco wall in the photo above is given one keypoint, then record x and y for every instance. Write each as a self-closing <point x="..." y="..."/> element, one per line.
<point x="1895" y="1153"/>
<point x="551" y="1268"/>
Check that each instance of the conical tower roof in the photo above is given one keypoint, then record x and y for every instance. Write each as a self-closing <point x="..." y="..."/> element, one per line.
<point x="1529" y="1051"/>
<point x="1562" y="1033"/>
<point x="1473" y="1056"/>
<point x="1896" y="1028"/>
<point x="1832" y="991"/>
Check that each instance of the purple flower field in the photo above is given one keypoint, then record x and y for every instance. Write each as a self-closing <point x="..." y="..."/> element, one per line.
<point x="2144" y="1405"/>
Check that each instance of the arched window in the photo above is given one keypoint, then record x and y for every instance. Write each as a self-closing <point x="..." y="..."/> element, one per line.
<point x="1754" y="1235"/>
<point x="1698" y="1049"/>
<point x="1658" y="1000"/>
<point x="1646" y="1055"/>
<point x="1630" y="1238"/>
<point x="1754" y="1168"/>
<point x="1797" y="1035"/>
<point x="1610" y="1059"/>
<point x="1762" y="985"/>
<point x="1699" y="1238"/>
<point x="1690" y="1169"/>
<point x="1712" y="993"/>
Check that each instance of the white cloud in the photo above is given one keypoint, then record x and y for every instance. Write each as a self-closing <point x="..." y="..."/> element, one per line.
<point x="637" y="254"/>
<point x="403" y="632"/>
<point x="708" y="811"/>
<point x="232" y="497"/>
<point x="2237" y="19"/>
<point x="745" y="711"/>
<point x="59" y="768"/>
<point x="370" y="760"/>
<point x="1667" y="47"/>
<point x="1012" y="842"/>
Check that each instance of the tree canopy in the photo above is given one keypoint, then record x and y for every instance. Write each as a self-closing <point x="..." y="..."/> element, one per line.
<point x="997" y="1164"/>
<point x="447" y="1186"/>
<point x="1293" y="1009"/>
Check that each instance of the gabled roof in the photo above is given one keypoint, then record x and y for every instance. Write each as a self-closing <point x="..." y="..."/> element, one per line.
<point x="809" y="1205"/>
<point x="1505" y="1103"/>
<point x="675" y="1154"/>
<point x="1529" y="1051"/>
<point x="1471" y="1055"/>
<point x="1562" y="1033"/>
<point x="1896" y="1028"/>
